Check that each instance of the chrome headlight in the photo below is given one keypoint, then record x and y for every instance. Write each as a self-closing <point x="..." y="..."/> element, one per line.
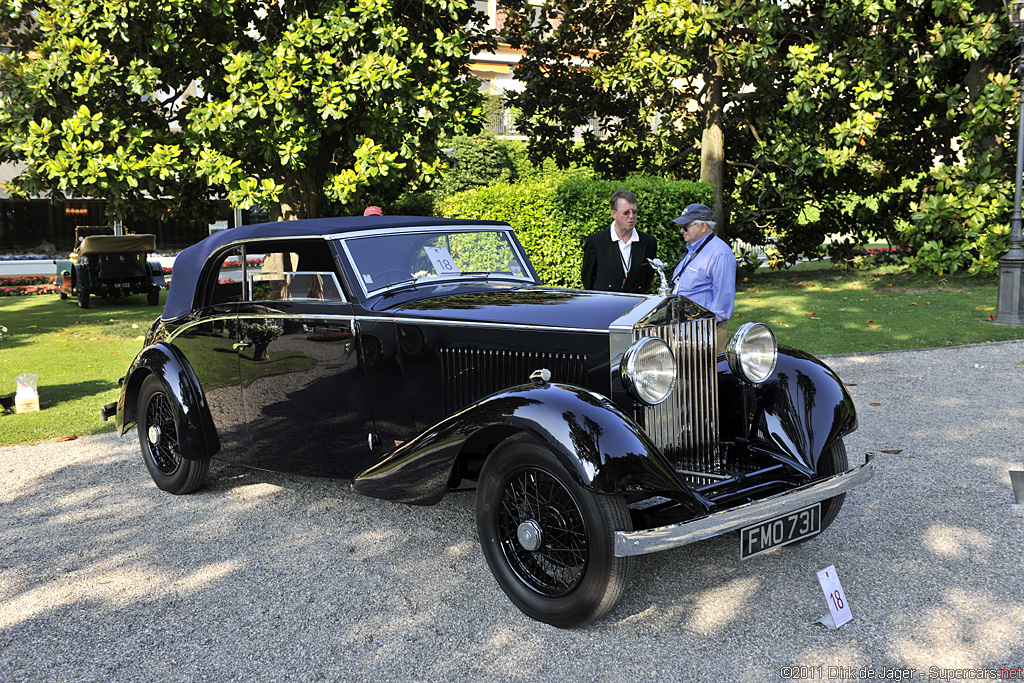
<point x="649" y="370"/>
<point x="753" y="352"/>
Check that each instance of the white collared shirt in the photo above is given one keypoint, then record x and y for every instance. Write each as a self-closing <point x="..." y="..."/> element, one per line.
<point x="625" y="248"/>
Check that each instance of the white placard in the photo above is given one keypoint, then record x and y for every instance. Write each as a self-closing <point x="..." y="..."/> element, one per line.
<point x="443" y="262"/>
<point x="838" y="605"/>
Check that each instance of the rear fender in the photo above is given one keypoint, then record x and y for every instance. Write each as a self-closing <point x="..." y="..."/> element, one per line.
<point x="156" y="274"/>
<point x="600" y="446"/>
<point x="197" y="436"/>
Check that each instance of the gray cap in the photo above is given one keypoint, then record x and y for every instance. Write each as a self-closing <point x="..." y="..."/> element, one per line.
<point x="694" y="212"/>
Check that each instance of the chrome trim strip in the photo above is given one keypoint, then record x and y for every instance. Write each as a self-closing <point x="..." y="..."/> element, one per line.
<point x="674" y="535"/>
<point x="475" y="323"/>
<point x="398" y="321"/>
<point x="189" y="325"/>
<point x="436" y="227"/>
<point x="235" y="316"/>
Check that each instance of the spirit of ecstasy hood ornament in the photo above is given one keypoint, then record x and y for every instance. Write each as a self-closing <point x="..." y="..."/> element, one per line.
<point x="664" y="289"/>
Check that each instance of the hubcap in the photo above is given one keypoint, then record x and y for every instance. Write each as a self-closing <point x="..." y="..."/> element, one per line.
<point x="529" y="535"/>
<point x="154" y="434"/>
<point x="542" y="533"/>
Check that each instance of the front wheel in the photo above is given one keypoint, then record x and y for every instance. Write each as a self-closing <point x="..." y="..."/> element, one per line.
<point x="548" y="541"/>
<point x="153" y="296"/>
<point x="158" y="438"/>
<point x="832" y="461"/>
<point x="83" y="297"/>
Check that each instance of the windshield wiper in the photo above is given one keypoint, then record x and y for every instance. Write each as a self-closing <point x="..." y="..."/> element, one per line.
<point x="398" y="283"/>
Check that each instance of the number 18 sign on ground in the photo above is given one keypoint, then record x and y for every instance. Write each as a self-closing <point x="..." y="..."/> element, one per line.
<point x="838" y="607"/>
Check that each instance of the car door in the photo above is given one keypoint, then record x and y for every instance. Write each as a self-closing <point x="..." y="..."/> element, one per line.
<point x="304" y="393"/>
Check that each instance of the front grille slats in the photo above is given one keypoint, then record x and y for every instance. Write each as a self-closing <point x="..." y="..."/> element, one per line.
<point x="470" y="374"/>
<point x="685" y="425"/>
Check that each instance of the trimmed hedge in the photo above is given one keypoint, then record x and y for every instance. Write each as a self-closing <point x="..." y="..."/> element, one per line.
<point x="553" y="216"/>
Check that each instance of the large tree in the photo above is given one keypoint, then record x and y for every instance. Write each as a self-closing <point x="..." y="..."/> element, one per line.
<point x="813" y="117"/>
<point x="288" y="104"/>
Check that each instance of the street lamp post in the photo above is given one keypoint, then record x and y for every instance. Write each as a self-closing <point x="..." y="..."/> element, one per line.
<point x="1010" y="307"/>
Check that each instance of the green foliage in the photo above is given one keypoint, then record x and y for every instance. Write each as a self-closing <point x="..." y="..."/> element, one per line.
<point x="554" y="214"/>
<point x="473" y="161"/>
<point x="278" y="104"/>
<point x="819" y="120"/>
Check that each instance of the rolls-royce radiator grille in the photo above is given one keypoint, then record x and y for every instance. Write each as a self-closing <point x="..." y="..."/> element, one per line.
<point x="471" y="374"/>
<point x="685" y="425"/>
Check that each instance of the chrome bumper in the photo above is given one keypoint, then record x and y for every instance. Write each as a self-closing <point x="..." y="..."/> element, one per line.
<point x="717" y="523"/>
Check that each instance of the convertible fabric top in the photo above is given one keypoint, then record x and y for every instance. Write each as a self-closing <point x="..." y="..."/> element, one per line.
<point x="189" y="263"/>
<point x="116" y="244"/>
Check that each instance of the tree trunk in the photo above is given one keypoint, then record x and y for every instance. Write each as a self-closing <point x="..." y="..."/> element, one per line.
<point x="301" y="197"/>
<point x="712" y="145"/>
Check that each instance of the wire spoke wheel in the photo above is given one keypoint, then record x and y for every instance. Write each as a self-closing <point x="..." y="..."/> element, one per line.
<point x="548" y="540"/>
<point x="162" y="435"/>
<point x="159" y="439"/>
<point x="556" y="564"/>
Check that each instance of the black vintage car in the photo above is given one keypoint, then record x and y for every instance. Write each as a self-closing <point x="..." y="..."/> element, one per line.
<point x="415" y="355"/>
<point x="110" y="265"/>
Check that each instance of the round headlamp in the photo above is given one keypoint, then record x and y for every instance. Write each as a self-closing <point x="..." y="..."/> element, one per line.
<point x="649" y="370"/>
<point x="753" y="352"/>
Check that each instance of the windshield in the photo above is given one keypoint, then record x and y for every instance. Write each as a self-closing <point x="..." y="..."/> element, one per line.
<point x="410" y="258"/>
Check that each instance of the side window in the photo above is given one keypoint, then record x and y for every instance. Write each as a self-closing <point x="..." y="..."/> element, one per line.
<point x="227" y="282"/>
<point x="296" y="270"/>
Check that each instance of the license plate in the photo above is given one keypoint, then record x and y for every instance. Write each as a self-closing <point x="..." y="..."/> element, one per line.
<point x="779" y="531"/>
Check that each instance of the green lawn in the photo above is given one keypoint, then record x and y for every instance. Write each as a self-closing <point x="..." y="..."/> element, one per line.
<point x="825" y="311"/>
<point x="80" y="354"/>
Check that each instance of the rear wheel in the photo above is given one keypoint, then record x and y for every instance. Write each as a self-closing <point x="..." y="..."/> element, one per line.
<point x="83" y="297"/>
<point x="158" y="438"/>
<point x="548" y="541"/>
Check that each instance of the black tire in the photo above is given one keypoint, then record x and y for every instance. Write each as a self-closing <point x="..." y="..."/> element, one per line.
<point x="548" y="541"/>
<point x="153" y="296"/>
<point x="158" y="438"/>
<point x="83" y="297"/>
<point x="833" y="461"/>
<point x="63" y="295"/>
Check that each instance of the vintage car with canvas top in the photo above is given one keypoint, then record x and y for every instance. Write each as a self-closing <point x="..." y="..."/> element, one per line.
<point x="110" y="265"/>
<point x="415" y="355"/>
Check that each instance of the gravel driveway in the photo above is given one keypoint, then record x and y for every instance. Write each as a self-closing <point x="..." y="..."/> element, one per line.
<point x="264" y="577"/>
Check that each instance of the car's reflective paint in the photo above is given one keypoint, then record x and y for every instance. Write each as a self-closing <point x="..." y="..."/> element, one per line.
<point x="600" y="445"/>
<point x="798" y="412"/>
<point x="197" y="436"/>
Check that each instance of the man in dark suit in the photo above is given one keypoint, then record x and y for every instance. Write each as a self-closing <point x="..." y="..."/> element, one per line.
<point x="615" y="260"/>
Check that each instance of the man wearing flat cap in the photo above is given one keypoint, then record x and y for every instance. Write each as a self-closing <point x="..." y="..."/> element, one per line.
<point x="707" y="272"/>
<point x="615" y="260"/>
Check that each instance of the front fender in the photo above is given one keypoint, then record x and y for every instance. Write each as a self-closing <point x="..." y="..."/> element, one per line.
<point x="797" y="413"/>
<point x="197" y="436"/>
<point x="598" y="444"/>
